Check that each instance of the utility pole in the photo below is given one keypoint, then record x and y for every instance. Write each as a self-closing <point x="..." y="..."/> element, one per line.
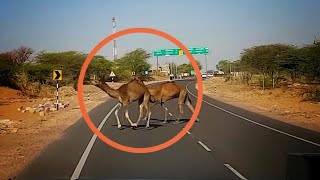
<point x="157" y="67"/>
<point x="176" y="70"/>
<point x="230" y="74"/>
<point x="114" y="41"/>
<point x="205" y="57"/>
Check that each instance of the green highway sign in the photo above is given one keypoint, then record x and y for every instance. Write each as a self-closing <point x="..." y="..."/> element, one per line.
<point x="172" y="52"/>
<point x="179" y="52"/>
<point x="166" y="52"/>
<point x="199" y="50"/>
<point x="159" y="52"/>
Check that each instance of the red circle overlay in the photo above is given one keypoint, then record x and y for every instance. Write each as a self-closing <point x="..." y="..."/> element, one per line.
<point x="115" y="144"/>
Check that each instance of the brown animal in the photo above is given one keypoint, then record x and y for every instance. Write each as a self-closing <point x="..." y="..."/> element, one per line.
<point x="126" y="94"/>
<point x="166" y="91"/>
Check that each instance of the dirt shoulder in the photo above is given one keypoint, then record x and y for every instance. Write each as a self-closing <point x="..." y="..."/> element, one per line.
<point x="23" y="135"/>
<point x="283" y="104"/>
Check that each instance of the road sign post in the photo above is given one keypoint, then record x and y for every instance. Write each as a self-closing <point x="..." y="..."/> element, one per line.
<point x="112" y="75"/>
<point x="57" y="101"/>
<point x="205" y="57"/>
<point x="157" y="67"/>
<point x="57" y="75"/>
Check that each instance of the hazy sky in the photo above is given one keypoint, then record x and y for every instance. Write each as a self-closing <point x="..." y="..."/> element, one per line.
<point x="226" y="27"/>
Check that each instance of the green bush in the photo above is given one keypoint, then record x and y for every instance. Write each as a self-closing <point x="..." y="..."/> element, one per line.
<point x="39" y="72"/>
<point x="267" y="82"/>
<point x="312" y="93"/>
<point x="6" y="72"/>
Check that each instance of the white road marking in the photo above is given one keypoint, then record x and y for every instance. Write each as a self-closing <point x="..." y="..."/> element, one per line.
<point x="77" y="171"/>
<point x="204" y="146"/>
<point x="188" y="132"/>
<point x="235" y="172"/>
<point x="256" y="123"/>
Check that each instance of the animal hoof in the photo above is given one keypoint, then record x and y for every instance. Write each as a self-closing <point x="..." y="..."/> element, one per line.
<point x="134" y="125"/>
<point x="119" y="126"/>
<point x="176" y="122"/>
<point x="165" y="122"/>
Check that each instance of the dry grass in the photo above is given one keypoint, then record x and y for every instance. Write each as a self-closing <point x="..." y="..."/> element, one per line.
<point x="283" y="104"/>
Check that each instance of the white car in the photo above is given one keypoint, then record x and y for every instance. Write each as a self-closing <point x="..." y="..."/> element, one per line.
<point x="204" y="75"/>
<point x="210" y="75"/>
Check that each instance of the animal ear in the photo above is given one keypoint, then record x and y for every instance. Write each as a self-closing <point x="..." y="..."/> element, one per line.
<point x="140" y="79"/>
<point x="135" y="78"/>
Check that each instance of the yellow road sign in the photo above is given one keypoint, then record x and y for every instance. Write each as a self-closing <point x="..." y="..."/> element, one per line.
<point x="57" y="75"/>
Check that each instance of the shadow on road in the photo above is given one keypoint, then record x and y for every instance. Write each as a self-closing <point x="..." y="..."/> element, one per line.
<point x="141" y="126"/>
<point x="153" y="125"/>
<point x="181" y="121"/>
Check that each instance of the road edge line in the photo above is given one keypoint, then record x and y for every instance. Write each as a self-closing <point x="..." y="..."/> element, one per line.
<point x="254" y="122"/>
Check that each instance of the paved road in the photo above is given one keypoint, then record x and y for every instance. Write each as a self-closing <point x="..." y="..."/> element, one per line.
<point x="229" y="143"/>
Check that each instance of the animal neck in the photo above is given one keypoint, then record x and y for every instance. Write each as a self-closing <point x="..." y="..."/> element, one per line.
<point x="110" y="91"/>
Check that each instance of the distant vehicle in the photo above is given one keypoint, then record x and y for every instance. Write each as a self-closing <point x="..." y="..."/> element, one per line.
<point x="204" y="75"/>
<point x="171" y="77"/>
<point x="210" y="74"/>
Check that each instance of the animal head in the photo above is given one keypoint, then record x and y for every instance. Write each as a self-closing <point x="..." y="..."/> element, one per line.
<point x="98" y="81"/>
<point x="95" y="82"/>
<point x="138" y="79"/>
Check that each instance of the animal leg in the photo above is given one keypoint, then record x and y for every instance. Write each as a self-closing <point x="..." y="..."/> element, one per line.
<point x="149" y="115"/>
<point x="127" y="116"/>
<point x="165" y="113"/>
<point x="116" y="114"/>
<point x="188" y="103"/>
<point x="181" y="100"/>
<point x="146" y="104"/>
<point x="140" y="115"/>
<point x="150" y="107"/>
<point x="180" y="113"/>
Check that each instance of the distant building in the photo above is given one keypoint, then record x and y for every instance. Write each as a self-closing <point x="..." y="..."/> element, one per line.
<point x="164" y="69"/>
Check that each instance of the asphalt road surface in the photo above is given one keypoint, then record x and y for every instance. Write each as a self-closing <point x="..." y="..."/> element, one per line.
<point x="228" y="143"/>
